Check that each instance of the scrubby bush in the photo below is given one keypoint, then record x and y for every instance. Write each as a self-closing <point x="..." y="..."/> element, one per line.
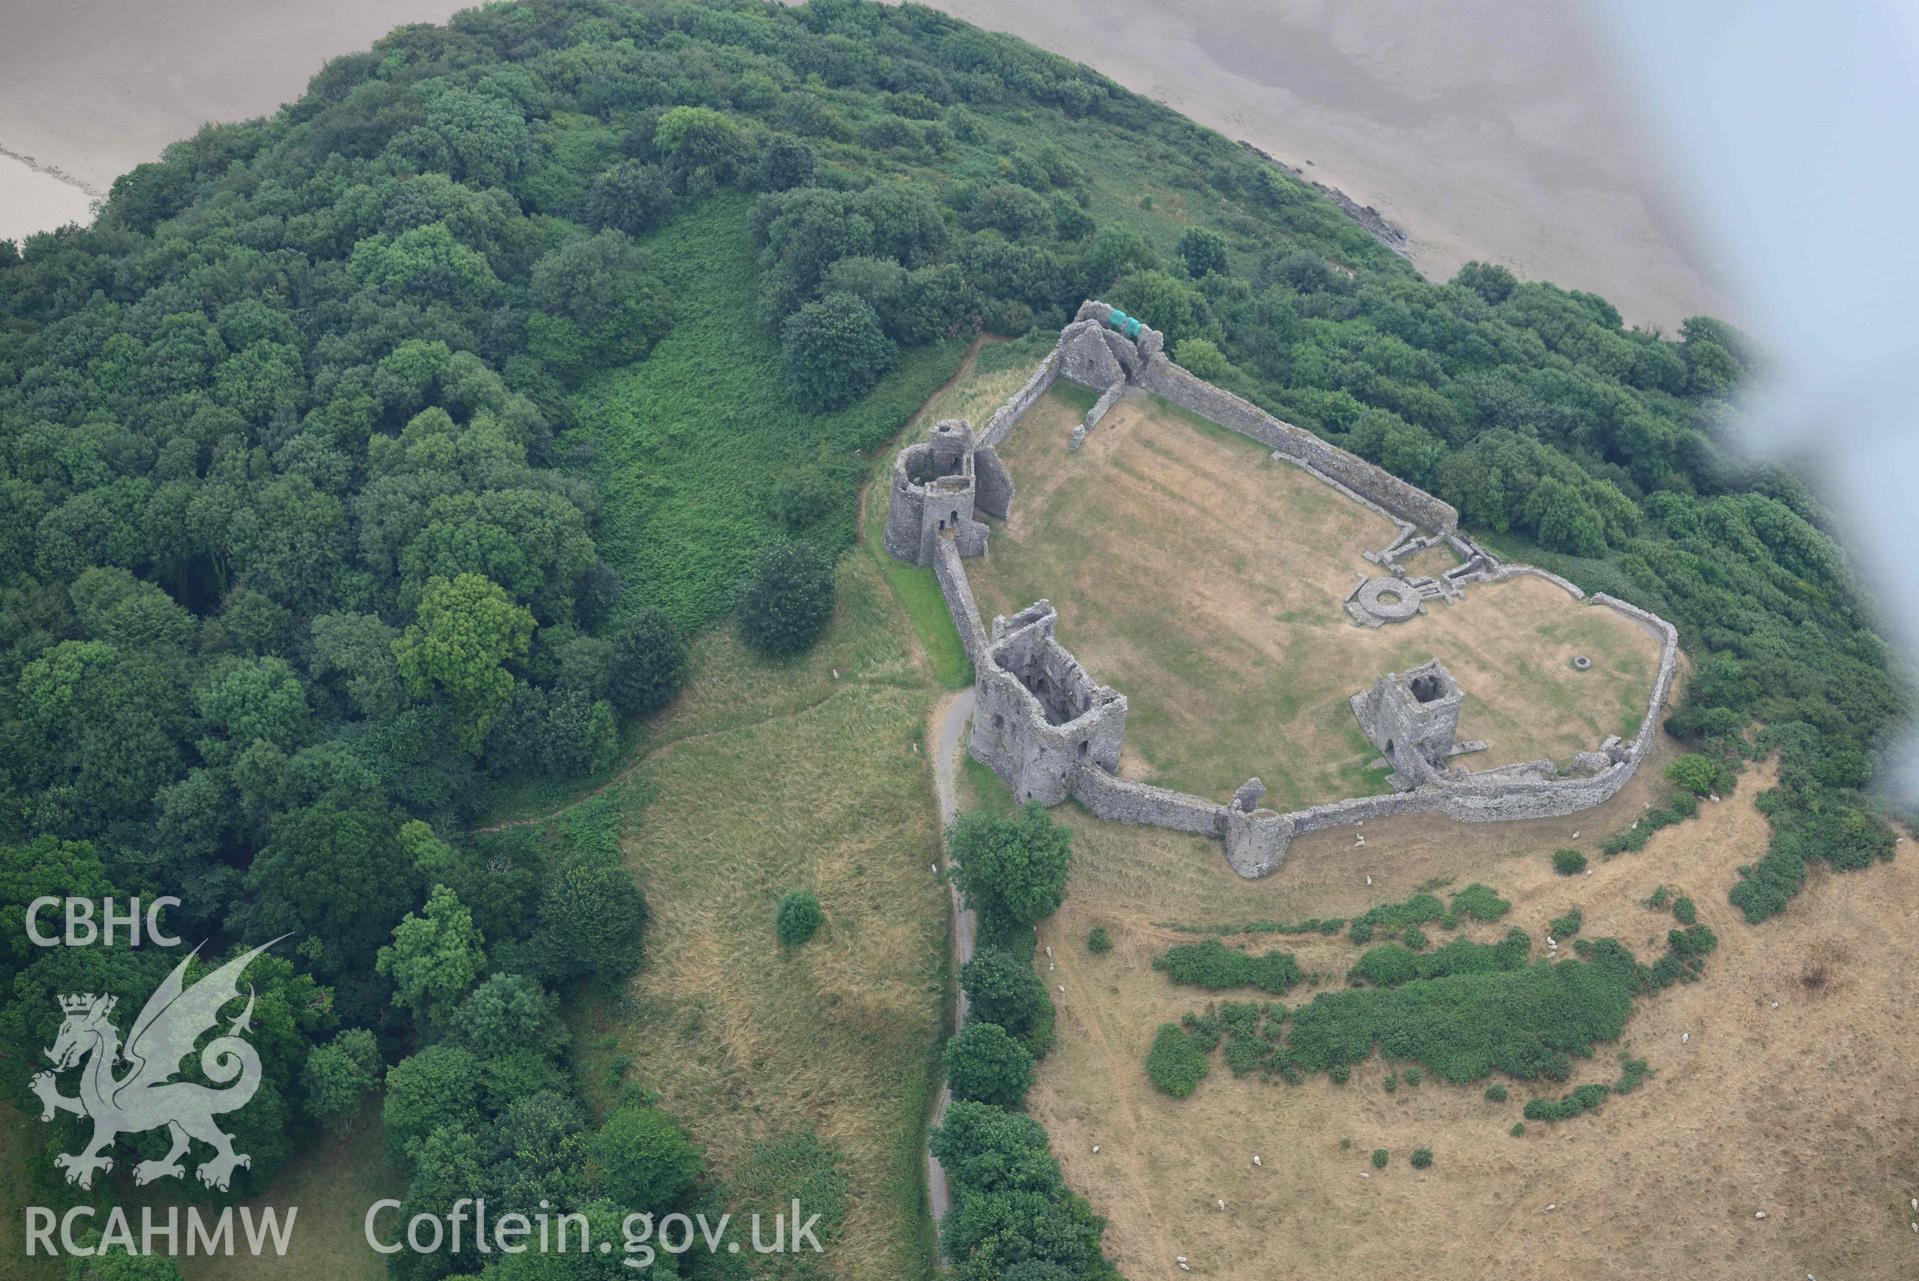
<point x="788" y="601"/>
<point x="1214" y="966"/>
<point x="1518" y="1130"/>
<point x="1684" y="911"/>
<point x="799" y="917"/>
<point x="1568" y="862"/>
<point x="1700" y="775"/>
<point x="1098" y="941"/>
<point x="1583" y="1099"/>
<point x="1380" y="1158"/>
<point x="1564" y="927"/>
<point x="1422" y="1158"/>
<point x="1412" y="1076"/>
<point x="1176" y="1064"/>
<point x="1495" y="1094"/>
<point x="985" y="1063"/>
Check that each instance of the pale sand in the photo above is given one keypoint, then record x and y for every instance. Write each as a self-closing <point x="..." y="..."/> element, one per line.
<point x="1485" y="128"/>
<point x="32" y="201"/>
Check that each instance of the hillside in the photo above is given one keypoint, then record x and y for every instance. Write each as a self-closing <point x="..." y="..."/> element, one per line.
<point x="369" y="473"/>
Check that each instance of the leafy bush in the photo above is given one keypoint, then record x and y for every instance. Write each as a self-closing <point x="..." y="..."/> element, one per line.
<point x="1392" y="964"/>
<point x="986" y="1064"/>
<point x="1380" y="1158"/>
<point x="787" y="603"/>
<point x="1098" y="941"/>
<point x="1568" y="862"/>
<point x="1684" y="911"/>
<point x="1700" y="775"/>
<point x="1583" y="1099"/>
<point x="1495" y="1094"/>
<point x="645" y="1160"/>
<point x="1518" y="1130"/>
<point x="1214" y="966"/>
<point x="799" y="917"/>
<point x="1564" y="927"/>
<point x="1176" y="1064"/>
<point x="1422" y="1158"/>
<point x="1475" y="903"/>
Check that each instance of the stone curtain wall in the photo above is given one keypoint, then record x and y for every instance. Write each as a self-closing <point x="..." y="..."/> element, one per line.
<point x="1007" y="416"/>
<point x="1257" y="843"/>
<point x="951" y="573"/>
<point x="1121" y="800"/>
<point x="1399" y="499"/>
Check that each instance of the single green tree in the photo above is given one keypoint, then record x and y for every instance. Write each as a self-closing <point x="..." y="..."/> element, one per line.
<point x="799" y="917"/>
<point x="460" y="642"/>
<point x="1014" y="867"/>
<point x="835" y="351"/>
<point x="644" y="1160"/>
<point x="986" y="1064"/>
<point x="1203" y="250"/>
<point x="648" y="664"/>
<point x="435" y="956"/>
<point x="788" y="601"/>
<point x="338" y="1075"/>
<point x="1003" y="989"/>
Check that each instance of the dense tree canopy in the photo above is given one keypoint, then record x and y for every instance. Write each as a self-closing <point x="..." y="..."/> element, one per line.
<point x="298" y="549"/>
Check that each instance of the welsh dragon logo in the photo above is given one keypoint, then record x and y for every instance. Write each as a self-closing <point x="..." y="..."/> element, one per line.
<point x="145" y="1097"/>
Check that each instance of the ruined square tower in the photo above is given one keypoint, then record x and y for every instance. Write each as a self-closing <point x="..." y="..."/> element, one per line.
<point x="1412" y="717"/>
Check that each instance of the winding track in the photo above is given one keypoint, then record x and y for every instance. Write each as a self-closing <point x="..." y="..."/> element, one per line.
<point x="949" y="720"/>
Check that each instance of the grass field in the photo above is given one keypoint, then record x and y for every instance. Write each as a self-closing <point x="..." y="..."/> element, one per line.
<point x="1204" y="581"/>
<point x="685" y="447"/>
<point x="1809" y="1102"/>
<point x="757" y="781"/>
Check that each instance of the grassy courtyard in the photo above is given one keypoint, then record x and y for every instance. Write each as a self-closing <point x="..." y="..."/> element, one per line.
<point x="1204" y="581"/>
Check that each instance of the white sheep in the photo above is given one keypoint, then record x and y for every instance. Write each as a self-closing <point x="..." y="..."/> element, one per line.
<point x="1551" y="941"/>
<point x="1220" y="1203"/>
<point x="1369" y="880"/>
<point x="1256" y="1158"/>
<point x="1685" y="1038"/>
<point x="1759" y="1214"/>
<point x="1096" y="1149"/>
<point x="1049" y="951"/>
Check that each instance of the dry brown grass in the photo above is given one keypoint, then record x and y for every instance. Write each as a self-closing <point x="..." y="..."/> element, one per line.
<point x="1204" y="581"/>
<point x="761" y="780"/>
<point x="1804" y="1112"/>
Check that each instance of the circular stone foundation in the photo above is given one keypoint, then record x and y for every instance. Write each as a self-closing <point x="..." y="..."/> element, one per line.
<point x="1387" y="599"/>
<point x="1581" y="662"/>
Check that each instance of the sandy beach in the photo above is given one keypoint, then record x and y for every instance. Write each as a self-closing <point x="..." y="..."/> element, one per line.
<point x="1485" y="128"/>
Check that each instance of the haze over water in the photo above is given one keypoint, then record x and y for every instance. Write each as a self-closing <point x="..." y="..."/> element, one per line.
<point x="1485" y="128"/>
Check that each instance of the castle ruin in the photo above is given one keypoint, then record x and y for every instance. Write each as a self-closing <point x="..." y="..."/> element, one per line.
<point x="1052" y="733"/>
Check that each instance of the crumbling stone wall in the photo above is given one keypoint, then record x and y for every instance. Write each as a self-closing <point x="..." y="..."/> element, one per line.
<point x="1007" y="416"/>
<point x="959" y="600"/>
